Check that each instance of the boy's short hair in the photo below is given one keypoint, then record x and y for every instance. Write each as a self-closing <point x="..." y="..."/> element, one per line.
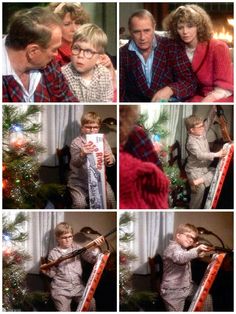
<point x="63" y="228"/>
<point x="93" y="34"/>
<point x="90" y="117"/>
<point x="182" y="228"/>
<point x="192" y="121"/>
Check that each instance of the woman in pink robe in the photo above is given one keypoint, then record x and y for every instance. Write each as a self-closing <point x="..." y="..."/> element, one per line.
<point x="210" y="58"/>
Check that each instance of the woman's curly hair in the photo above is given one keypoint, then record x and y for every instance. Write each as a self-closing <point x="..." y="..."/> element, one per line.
<point x="129" y="115"/>
<point x="76" y="10"/>
<point x="193" y="15"/>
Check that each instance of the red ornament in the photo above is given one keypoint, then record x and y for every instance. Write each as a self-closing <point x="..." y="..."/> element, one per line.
<point x="4" y="184"/>
<point x="7" y="252"/>
<point x="123" y="259"/>
<point x="30" y="150"/>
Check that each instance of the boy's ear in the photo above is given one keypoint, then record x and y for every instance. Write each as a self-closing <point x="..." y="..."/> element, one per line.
<point x="177" y="236"/>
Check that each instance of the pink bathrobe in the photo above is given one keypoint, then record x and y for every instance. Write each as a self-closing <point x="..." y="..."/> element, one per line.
<point x="213" y="66"/>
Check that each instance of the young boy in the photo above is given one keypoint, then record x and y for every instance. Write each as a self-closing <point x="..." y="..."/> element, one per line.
<point x="88" y="79"/>
<point x="177" y="282"/>
<point x="78" y="178"/>
<point x="199" y="159"/>
<point x="66" y="281"/>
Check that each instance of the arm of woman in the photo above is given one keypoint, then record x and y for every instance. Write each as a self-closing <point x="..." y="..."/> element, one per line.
<point x="222" y="73"/>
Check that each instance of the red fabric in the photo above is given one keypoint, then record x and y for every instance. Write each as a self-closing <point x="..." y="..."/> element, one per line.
<point x="216" y="69"/>
<point x="171" y="67"/>
<point x="64" y="54"/>
<point x="51" y="88"/>
<point x="142" y="184"/>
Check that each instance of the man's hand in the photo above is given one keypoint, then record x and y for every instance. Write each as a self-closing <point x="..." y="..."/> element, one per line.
<point x="163" y="94"/>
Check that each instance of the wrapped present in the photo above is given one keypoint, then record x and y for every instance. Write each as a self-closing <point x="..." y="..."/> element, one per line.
<point x="96" y="173"/>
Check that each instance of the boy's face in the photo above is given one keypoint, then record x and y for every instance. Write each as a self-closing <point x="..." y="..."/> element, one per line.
<point x="90" y="128"/>
<point x="86" y="57"/>
<point x="65" y="240"/>
<point x="186" y="239"/>
<point x="198" y="129"/>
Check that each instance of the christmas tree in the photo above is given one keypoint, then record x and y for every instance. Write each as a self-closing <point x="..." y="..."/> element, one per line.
<point x="16" y="296"/>
<point x="130" y="300"/>
<point x="158" y="132"/>
<point x="20" y="156"/>
<point x="13" y="257"/>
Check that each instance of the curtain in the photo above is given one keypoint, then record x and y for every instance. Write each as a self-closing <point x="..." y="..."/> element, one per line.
<point x="152" y="232"/>
<point x="186" y="111"/>
<point x="41" y="240"/>
<point x="60" y="125"/>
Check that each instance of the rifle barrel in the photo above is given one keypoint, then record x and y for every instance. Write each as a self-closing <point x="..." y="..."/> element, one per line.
<point x="72" y="254"/>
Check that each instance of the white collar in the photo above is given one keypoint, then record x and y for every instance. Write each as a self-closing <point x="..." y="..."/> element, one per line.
<point x="34" y="75"/>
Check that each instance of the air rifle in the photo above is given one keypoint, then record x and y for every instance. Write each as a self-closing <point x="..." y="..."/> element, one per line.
<point x="73" y="254"/>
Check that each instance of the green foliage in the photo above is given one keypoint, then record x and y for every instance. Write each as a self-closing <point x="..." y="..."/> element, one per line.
<point x="158" y="127"/>
<point x="14" y="115"/>
<point x="20" y="157"/>
<point x="12" y="228"/>
<point x="130" y="300"/>
<point x="14" y="257"/>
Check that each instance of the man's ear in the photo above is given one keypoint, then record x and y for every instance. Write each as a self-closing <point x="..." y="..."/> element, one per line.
<point x="32" y="50"/>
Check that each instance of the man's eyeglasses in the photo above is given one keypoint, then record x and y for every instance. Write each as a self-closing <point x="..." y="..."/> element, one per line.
<point x="65" y="238"/>
<point x="87" y="53"/>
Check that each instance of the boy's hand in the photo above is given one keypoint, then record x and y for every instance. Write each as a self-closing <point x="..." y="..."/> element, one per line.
<point x="221" y="153"/>
<point x="203" y="248"/>
<point x="108" y="158"/>
<point x="99" y="241"/>
<point x="88" y="148"/>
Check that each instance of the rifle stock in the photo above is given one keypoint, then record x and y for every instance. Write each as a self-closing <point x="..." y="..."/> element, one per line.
<point x="62" y="258"/>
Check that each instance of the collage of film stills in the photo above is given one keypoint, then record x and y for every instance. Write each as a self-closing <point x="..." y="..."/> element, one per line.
<point x="117" y="156"/>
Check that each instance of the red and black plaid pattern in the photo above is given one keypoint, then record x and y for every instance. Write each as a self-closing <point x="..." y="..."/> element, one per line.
<point x="140" y="146"/>
<point x="171" y="67"/>
<point x="52" y="87"/>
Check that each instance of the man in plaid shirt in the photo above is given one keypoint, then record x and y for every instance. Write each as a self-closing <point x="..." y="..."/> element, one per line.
<point x="153" y="68"/>
<point x="29" y="72"/>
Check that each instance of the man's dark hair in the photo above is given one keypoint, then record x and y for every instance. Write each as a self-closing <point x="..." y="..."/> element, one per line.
<point x="31" y="26"/>
<point x="141" y="14"/>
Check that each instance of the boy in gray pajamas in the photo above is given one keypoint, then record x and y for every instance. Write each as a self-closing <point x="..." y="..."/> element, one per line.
<point x="66" y="281"/>
<point x="177" y="282"/>
<point x="198" y="169"/>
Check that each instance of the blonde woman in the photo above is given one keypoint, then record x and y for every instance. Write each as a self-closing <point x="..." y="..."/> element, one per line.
<point x="210" y="58"/>
<point x="72" y="15"/>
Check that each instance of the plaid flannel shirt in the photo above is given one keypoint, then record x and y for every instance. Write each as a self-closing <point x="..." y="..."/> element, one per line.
<point x="51" y="88"/>
<point x="171" y="67"/>
<point x="140" y="146"/>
